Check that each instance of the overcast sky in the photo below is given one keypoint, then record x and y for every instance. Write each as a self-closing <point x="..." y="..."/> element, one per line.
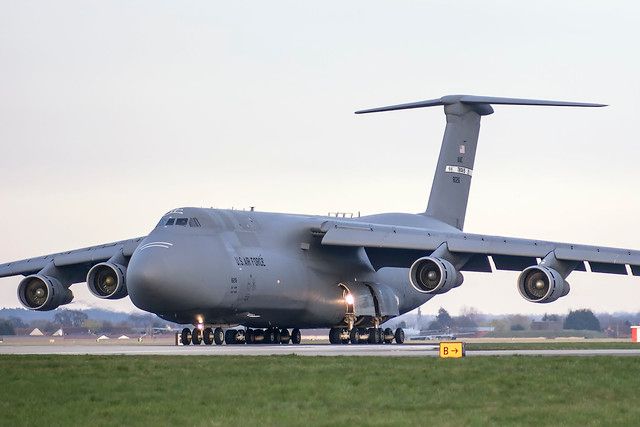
<point x="112" y="113"/>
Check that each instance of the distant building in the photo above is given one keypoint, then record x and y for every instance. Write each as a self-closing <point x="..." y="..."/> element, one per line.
<point x="36" y="333"/>
<point x="547" y="325"/>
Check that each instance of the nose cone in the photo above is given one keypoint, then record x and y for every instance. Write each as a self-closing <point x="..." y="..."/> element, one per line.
<point x="151" y="283"/>
<point x="165" y="279"/>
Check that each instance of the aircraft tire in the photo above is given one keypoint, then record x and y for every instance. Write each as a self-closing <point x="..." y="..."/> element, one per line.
<point x="379" y="336"/>
<point x="334" y="336"/>
<point x="388" y="336"/>
<point x="399" y="336"/>
<point x="354" y="336"/>
<point x="296" y="336"/>
<point x="343" y="332"/>
<point x="363" y="333"/>
<point x="270" y="336"/>
<point x="230" y="336"/>
<point x="196" y="336"/>
<point x="218" y="336"/>
<point x="276" y="336"/>
<point x="372" y="335"/>
<point x="207" y="336"/>
<point x="285" y="338"/>
<point x="239" y="336"/>
<point x="185" y="336"/>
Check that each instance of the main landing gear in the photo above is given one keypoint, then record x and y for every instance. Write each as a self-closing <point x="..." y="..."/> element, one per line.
<point x="366" y="336"/>
<point x="217" y="336"/>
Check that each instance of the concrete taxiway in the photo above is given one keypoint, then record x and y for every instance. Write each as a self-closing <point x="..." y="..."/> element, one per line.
<point x="406" y="350"/>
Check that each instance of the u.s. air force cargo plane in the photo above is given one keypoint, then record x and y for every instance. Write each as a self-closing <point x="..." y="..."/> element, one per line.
<point x="275" y="273"/>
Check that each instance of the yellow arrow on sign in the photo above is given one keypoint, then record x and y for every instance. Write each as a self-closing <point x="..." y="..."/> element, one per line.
<point x="452" y="350"/>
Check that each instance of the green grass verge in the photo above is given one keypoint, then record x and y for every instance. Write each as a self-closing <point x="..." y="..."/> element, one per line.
<point x="579" y="345"/>
<point x="293" y="390"/>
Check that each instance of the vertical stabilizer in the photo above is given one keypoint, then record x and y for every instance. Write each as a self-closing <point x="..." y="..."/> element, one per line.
<point x="452" y="179"/>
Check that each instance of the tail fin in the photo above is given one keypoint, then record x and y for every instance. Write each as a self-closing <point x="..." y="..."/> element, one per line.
<point x="452" y="180"/>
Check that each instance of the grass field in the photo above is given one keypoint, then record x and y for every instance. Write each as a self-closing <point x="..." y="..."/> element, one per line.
<point x="292" y="390"/>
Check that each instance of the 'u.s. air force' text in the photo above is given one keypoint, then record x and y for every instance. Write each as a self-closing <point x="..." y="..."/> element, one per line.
<point x="250" y="260"/>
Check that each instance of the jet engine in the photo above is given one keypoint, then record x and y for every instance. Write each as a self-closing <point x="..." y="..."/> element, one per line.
<point x="43" y="293"/>
<point x="431" y="275"/>
<point x="542" y="284"/>
<point x="107" y="280"/>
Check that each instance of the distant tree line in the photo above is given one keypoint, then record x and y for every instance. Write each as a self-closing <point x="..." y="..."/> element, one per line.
<point x="583" y="320"/>
<point x="444" y="321"/>
<point x="611" y="325"/>
<point x="64" y="319"/>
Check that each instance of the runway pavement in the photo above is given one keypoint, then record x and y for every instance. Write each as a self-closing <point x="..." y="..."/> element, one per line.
<point x="406" y="350"/>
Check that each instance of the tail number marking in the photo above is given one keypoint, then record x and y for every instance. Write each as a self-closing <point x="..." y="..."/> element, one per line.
<point x="458" y="169"/>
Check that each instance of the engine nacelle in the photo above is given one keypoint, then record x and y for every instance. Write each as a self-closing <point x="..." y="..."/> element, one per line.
<point x="108" y="280"/>
<point x="542" y="284"/>
<point x="431" y="275"/>
<point x="43" y="293"/>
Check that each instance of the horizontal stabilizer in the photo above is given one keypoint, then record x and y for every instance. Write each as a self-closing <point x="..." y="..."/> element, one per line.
<point x="475" y="100"/>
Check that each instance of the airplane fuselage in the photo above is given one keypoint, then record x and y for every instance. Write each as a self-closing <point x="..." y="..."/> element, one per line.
<point x="257" y="269"/>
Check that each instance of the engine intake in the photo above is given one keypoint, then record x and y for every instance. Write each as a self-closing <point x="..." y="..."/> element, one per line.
<point x="107" y="281"/>
<point x="43" y="293"/>
<point x="542" y="284"/>
<point x="431" y="275"/>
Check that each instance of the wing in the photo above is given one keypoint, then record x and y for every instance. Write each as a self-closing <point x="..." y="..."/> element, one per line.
<point x="75" y="263"/>
<point x="398" y="246"/>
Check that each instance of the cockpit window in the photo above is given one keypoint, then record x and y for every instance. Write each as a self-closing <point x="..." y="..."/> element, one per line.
<point x="182" y="221"/>
<point x="193" y="222"/>
<point x="170" y="221"/>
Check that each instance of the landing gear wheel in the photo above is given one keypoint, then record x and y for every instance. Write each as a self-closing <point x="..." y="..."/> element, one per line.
<point x="354" y="336"/>
<point x="196" y="336"/>
<point x="230" y="336"/>
<point x="284" y="336"/>
<point x="372" y="335"/>
<point x="344" y="336"/>
<point x="258" y="336"/>
<point x="207" y="336"/>
<point x="334" y="336"/>
<point x="239" y="337"/>
<point x="388" y="336"/>
<point x="399" y="336"/>
<point x="218" y="336"/>
<point x="185" y="336"/>
<point x="296" y="336"/>
<point x="379" y="336"/>
<point x="249" y="336"/>
<point x="269" y="336"/>
<point x="276" y="336"/>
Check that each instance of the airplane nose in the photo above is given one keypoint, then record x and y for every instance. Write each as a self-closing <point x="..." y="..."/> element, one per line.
<point x="149" y="281"/>
<point x="169" y="275"/>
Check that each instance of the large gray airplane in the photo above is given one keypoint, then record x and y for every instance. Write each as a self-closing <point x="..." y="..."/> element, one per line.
<point x="275" y="273"/>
